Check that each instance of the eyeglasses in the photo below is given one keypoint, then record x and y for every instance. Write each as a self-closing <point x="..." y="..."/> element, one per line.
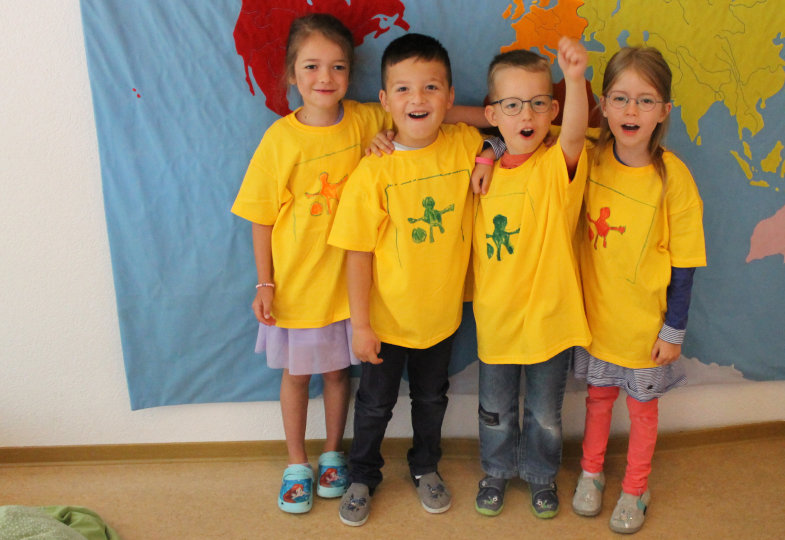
<point x="620" y="100"/>
<point x="512" y="106"/>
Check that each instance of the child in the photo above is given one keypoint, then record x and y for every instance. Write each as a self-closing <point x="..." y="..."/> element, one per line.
<point x="290" y="193"/>
<point x="406" y="220"/>
<point x="639" y="244"/>
<point x="527" y="298"/>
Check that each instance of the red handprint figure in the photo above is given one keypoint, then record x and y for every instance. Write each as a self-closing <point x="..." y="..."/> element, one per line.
<point x="601" y="224"/>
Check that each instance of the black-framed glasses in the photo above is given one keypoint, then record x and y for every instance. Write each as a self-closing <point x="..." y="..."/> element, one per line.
<point x="512" y="106"/>
<point x="620" y="100"/>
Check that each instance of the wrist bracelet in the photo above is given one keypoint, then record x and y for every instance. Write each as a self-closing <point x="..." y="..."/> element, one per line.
<point x="265" y="284"/>
<point x="483" y="160"/>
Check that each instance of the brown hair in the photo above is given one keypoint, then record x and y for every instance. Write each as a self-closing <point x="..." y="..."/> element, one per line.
<point x="652" y="67"/>
<point x="327" y="25"/>
<point x="520" y="58"/>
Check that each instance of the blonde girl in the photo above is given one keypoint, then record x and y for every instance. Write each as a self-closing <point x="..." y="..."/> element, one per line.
<point x="640" y="239"/>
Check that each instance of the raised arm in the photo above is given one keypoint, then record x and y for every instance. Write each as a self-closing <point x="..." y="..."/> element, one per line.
<point x="572" y="61"/>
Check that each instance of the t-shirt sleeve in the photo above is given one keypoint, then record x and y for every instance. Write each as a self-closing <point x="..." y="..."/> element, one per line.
<point x="685" y="218"/>
<point x="374" y="119"/>
<point x="361" y="213"/>
<point x="264" y="188"/>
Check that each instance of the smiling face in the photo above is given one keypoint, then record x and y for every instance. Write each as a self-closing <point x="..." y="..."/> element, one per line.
<point x="417" y="94"/>
<point x="525" y="131"/>
<point x="321" y="73"/>
<point x="631" y="127"/>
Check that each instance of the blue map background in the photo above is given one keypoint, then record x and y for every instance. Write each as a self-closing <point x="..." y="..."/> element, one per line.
<point x="177" y="126"/>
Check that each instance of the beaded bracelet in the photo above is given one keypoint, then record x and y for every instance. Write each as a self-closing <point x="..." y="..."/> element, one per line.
<point x="265" y="284"/>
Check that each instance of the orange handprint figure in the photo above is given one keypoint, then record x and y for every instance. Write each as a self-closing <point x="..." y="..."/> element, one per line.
<point x="602" y="226"/>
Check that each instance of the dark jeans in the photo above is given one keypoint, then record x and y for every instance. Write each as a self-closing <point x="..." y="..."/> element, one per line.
<point x="376" y="397"/>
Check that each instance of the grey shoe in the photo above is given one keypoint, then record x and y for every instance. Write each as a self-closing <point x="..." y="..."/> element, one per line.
<point x="355" y="505"/>
<point x="490" y="496"/>
<point x="434" y="496"/>
<point x="545" y="500"/>
<point x="630" y="512"/>
<point x="587" y="500"/>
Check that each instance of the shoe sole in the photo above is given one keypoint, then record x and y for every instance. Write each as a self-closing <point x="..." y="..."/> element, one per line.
<point x="441" y="510"/>
<point x="544" y="515"/>
<point x="330" y="493"/>
<point x="587" y="513"/>
<point x="622" y="530"/>
<point x="488" y="512"/>
<point x="295" y="508"/>
<point x="352" y="523"/>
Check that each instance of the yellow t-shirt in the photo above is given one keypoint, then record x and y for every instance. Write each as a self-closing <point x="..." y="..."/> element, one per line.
<point x="527" y="296"/>
<point x="629" y="237"/>
<point x="412" y="210"/>
<point x="294" y="182"/>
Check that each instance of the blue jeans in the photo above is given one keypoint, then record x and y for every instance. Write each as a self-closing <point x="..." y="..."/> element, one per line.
<point x="533" y="452"/>
<point x="376" y="397"/>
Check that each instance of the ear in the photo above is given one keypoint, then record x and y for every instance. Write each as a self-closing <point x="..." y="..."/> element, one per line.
<point x="666" y="110"/>
<point x="452" y="97"/>
<point x="490" y="115"/>
<point x="554" y="109"/>
<point x="383" y="100"/>
<point x="603" y="106"/>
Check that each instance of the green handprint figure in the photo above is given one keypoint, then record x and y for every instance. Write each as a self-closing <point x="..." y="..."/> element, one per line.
<point x="500" y="237"/>
<point x="432" y="217"/>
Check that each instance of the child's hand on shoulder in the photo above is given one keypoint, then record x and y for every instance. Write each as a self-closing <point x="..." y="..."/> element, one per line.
<point x="382" y="142"/>
<point x="263" y="304"/>
<point x="366" y="345"/>
<point x="573" y="58"/>
<point x="664" y="353"/>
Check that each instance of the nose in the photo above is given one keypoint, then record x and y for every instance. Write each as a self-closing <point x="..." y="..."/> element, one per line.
<point x="418" y="96"/>
<point x="526" y="109"/>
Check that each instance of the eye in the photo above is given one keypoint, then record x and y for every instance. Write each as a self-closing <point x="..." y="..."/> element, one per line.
<point x="340" y="67"/>
<point x="510" y="104"/>
<point x="539" y="102"/>
<point x="432" y="87"/>
<point x="309" y="66"/>
<point x="401" y="88"/>
<point x="619" y="99"/>
<point x="647" y="101"/>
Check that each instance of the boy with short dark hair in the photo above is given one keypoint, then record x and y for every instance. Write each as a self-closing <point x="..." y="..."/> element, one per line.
<point x="405" y="219"/>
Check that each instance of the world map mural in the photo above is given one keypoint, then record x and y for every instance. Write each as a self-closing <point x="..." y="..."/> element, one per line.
<point x="183" y="92"/>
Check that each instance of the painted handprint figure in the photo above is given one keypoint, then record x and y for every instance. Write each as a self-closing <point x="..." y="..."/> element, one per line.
<point x="602" y="226"/>
<point x="432" y="217"/>
<point x="500" y="237"/>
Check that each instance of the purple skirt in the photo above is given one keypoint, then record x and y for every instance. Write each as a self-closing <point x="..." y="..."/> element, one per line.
<point x="305" y="351"/>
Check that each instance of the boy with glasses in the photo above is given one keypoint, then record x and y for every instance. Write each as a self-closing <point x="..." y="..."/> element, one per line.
<point x="527" y="296"/>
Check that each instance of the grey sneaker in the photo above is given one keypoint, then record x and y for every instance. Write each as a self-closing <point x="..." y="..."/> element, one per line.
<point x="630" y="512"/>
<point x="587" y="500"/>
<point x="355" y="505"/>
<point x="490" y="496"/>
<point x="434" y="496"/>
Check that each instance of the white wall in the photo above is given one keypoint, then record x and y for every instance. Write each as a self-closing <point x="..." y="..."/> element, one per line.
<point x="61" y="370"/>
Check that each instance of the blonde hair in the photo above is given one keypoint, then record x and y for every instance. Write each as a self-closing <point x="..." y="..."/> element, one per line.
<point x="649" y="64"/>
<point x="520" y="58"/>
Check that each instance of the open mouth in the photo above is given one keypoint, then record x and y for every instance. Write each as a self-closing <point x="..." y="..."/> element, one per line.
<point x="630" y="127"/>
<point x="418" y="115"/>
<point x="527" y="132"/>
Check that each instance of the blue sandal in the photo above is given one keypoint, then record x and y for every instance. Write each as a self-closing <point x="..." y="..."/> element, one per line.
<point x="296" y="495"/>
<point x="333" y="475"/>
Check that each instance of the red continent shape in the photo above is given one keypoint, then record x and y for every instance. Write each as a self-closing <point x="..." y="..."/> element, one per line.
<point x="263" y="26"/>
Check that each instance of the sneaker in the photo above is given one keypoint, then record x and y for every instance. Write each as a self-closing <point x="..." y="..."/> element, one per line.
<point x="296" y="495"/>
<point x="587" y="500"/>
<point x="333" y="474"/>
<point x="355" y="505"/>
<point x="434" y="496"/>
<point x="490" y="496"/>
<point x="630" y="512"/>
<point x="545" y="501"/>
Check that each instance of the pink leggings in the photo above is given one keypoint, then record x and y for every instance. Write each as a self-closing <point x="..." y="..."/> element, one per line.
<point x="643" y="436"/>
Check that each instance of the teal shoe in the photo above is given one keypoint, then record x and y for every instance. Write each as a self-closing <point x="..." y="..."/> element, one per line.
<point x="333" y="475"/>
<point x="296" y="495"/>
